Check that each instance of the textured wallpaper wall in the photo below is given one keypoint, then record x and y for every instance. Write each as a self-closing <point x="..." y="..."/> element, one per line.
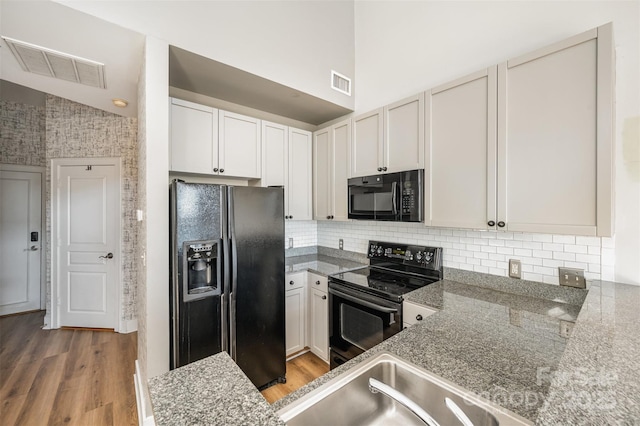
<point x="74" y="130"/>
<point x="22" y="130"/>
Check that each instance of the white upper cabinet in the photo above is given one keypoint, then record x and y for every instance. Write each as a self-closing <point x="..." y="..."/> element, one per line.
<point x="527" y="147"/>
<point x="460" y="175"/>
<point x="193" y="137"/>
<point x="239" y="145"/>
<point x="389" y="139"/>
<point x="331" y="162"/>
<point x="298" y="195"/>
<point x="206" y="140"/>
<point x="367" y="151"/>
<point x="404" y="135"/>
<point x="555" y="136"/>
<point x="275" y="140"/>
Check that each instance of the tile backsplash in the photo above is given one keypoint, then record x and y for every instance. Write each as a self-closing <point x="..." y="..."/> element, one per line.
<point x="479" y="251"/>
<point x="303" y="232"/>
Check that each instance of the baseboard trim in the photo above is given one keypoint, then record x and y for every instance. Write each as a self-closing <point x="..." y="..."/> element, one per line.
<point x="297" y="354"/>
<point x="47" y="321"/>
<point x="145" y="414"/>
<point x="128" y="326"/>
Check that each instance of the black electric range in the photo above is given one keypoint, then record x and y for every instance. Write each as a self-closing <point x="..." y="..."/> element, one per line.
<point x="395" y="269"/>
<point x="365" y="305"/>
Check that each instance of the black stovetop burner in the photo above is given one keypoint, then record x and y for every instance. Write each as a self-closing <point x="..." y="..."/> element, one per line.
<point x="395" y="270"/>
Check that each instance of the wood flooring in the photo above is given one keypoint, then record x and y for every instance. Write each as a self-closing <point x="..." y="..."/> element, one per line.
<point x="300" y="371"/>
<point x="75" y="377"/>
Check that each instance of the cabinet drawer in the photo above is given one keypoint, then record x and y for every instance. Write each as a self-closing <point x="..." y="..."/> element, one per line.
<point x="295" y="280"/>
<point x="318" y="282"/>
<point x="413" y="313"/>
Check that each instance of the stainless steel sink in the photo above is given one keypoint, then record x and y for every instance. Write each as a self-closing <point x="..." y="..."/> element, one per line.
<point x="348" y="399"/>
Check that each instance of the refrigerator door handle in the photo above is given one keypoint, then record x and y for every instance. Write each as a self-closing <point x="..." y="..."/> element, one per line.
<point x="234" y="278"/>
<point x="222" y="250"/>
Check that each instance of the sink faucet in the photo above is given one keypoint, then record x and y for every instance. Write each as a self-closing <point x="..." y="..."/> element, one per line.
<point x="376" y="386"/>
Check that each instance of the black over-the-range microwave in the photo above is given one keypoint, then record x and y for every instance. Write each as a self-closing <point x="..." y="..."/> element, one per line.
<point x="394" y="197"/>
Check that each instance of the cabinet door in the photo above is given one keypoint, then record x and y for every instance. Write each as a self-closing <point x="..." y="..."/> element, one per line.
<point x="295" y="320"/>
<point x="239" y="145"/>
<point x="339" y="162"/>
<point x="319" y="327"/>
<point x="404" y="134"/>
<point x="549" y="156"/>
<point x="460" y="175"/>
<point x="367" y="156"/>
<point x="299" y="189"/>
<point x="321" y="174"/>
<point x="275" y="138"/>
<point x="194" y="134"/>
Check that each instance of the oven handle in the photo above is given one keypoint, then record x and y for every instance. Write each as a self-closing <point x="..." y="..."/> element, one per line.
<point x="362" y="302"/>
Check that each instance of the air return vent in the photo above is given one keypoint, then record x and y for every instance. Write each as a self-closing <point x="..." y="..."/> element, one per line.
<point x="340" y="83"/>
<point x="43" y="61"/>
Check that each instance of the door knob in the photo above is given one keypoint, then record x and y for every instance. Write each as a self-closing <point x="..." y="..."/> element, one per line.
<point x="32" y="248"/>
<point x="108" y="256"/>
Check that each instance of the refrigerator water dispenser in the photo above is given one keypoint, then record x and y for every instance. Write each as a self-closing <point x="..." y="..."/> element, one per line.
<point x="200" y="270"/>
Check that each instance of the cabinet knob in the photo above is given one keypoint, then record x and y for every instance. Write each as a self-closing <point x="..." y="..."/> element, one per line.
<point x="318" y="282"/>
<point x="290" y="217"/>
<point x="384" y="169"/>
<point x="221" y="170"/>
<point x="328" y="217"/>
<point x="501" y="224"/>
<point x="216" y="169"/>
<point x="491" y="223"/>
<point x="418" y="317"/>
<point x="379" y="169"/>
<point x="324" y="297"/>
<point x="331" y="216"/>
<point x="291" y="283"/>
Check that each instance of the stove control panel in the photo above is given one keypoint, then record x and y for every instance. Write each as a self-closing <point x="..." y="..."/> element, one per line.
<point x="413" y="255"/>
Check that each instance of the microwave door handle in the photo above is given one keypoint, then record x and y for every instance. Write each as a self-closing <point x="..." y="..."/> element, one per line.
<point x="394" y="207"/>
<point x="379" y="308"/>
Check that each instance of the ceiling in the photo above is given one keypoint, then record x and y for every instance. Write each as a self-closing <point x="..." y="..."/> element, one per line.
<point x="57" y="27"/>
<point x="60" y="28"/>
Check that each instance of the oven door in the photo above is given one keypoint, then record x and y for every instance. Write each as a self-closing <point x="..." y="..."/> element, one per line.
<point x="358" y="321"/>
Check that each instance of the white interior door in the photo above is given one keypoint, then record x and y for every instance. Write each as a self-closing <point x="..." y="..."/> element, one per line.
<point x="20" y="258"/>
<point x="88" y="245"/>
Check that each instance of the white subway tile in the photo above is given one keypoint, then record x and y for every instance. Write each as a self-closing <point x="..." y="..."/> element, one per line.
<point x="505" y="236"/>
<point x="542" y="238"/>
<point x="531" y="277"/>
<point x="588" y="241"/>
<point x="552" y="247"/>
<point x="532" y="245"/>
<point x="571" y="248"/>
<point x="543" y="254"/>
<point x="608" y="257"/>
<point x="558" y="255"/>
<point x="608" y="242"/>
<point x="550" y="280"/>
<point x="497" y="257"/>
<point x="523" y="237"/>
<point x="587" y="258"/>
<point x="576" y="265"/>
<point x="503" y="265"/>
<point x="480" y="268"/>
<point x="496" y="243"/>
<point x="514" y="244"/>
<point x="505" y="250"/>
<point x="564" y="239"/>
<point x="480" y="255"/>
<point x="523" y="252"/>
<point x="498" y="271"/>
<point x="488" y="249"/>
<point x="545" y="271"/>
<point x="594" y="250"/>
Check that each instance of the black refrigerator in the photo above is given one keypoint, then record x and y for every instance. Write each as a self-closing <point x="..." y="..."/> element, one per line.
<point x="227" y="277"/>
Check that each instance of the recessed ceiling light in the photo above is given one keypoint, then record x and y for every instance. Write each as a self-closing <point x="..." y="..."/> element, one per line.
<point x="120" y="103"/>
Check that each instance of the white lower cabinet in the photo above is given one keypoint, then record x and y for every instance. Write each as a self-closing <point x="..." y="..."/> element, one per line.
<point x="413" y="313"/>
<point x="318" y="316"/>
<point x="295" y="312"/>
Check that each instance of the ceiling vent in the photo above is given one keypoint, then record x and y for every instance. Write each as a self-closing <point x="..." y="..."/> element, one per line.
<point x="43" y="61"/>
<point x="340" y="83"/>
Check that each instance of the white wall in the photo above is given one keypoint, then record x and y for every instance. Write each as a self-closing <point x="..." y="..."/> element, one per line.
<point x="405" y="47"/>
<point x="295" y="43"/>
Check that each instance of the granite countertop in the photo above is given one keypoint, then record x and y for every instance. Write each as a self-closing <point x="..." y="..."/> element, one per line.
<point x="210" y="391"/>
<point x="320" y="264"/>
<point x="510" y="348"/>
<point x="502" y="339"/>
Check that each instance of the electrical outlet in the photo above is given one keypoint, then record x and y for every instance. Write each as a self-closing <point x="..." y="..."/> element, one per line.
<point x="572" y="277"/>
<point x="290" y="242"/>
<point x="515" y="268"/>
<point x="341" y="244"/>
